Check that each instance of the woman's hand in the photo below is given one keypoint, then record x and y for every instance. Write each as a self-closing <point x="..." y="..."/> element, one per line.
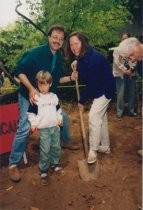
<point x="74" y="76"/>
<point x="74" y="65"/>
<point x="81" y="107"/>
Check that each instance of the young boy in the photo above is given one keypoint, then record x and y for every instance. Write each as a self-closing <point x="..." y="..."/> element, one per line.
<point x="46" y="115"/>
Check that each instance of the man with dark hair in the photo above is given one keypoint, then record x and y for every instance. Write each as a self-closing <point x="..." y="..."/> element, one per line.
<point x="43" y="57"/>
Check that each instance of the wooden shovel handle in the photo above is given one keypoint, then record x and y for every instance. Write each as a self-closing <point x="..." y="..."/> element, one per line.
<point x="85" y="143"/>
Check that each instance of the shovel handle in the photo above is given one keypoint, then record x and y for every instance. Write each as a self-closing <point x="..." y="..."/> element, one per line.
<point x="85" y="145"/>
<point x="77" y="90"/>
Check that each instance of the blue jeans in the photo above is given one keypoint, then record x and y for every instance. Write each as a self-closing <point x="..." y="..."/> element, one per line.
<point x="22" y="134"/>
<point x="65" y="133"/>
<point x="50" y="150"/>
<point x="130" y="86"/>
<point x="127" y="84"/>
<point x="120" y="86"/>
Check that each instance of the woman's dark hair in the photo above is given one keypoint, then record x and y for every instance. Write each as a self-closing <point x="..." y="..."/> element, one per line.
<point x="84" y="44"/>
<point x="125" y="34"/>
<point x="56" y="28"/>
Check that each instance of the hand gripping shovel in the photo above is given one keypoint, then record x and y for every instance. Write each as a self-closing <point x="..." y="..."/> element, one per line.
<point x="87" y="171"/>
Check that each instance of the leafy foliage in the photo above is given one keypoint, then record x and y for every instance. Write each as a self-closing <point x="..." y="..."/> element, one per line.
<point x="15" y="40"/>
<point x="100" y="20"/>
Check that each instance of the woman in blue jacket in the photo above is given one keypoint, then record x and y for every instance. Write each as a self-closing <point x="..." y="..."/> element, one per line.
<point x="95" y="72"/>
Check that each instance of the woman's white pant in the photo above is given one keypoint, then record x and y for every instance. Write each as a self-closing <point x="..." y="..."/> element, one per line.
<point x="98" y="124"/>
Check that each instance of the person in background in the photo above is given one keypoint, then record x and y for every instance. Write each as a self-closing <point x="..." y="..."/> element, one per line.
<point x="95" y="72"/>
<point x="140" y="72"/>
<point x="132" y="49"/>
<point x="46" y="115"/>
<point x="125" y="35"/>
<point x="43" y="57"/>
<point x="139" y="69"/>
<point x="125" y="75"/>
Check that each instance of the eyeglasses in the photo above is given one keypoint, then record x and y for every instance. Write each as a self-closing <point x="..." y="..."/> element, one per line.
<point x="56" y="38"/>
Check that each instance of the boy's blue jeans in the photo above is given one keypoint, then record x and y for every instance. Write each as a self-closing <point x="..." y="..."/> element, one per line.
<point x="50" y="149"/>
<point x="22" y="134"/>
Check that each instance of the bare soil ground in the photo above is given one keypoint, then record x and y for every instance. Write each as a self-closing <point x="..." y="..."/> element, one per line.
<point x="118" y="187"/>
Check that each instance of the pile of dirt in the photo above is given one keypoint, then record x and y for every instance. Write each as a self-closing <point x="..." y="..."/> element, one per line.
<point x="118" y="187"/>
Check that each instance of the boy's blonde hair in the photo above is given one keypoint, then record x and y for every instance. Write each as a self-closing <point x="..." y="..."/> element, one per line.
<point x="43" y="77"/>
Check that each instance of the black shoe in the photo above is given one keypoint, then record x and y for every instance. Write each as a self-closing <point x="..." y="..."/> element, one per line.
<point x="132" y="114"/>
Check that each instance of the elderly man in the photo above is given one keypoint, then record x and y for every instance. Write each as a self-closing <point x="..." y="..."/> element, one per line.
<point x="125" y="75"/>
<point x="131" y="48"/>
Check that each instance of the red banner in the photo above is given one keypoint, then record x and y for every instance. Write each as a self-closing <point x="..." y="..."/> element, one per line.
<point x="8" y="125"/>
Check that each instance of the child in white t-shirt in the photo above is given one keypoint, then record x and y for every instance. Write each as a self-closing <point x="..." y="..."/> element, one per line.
<point x="46" y="115"/>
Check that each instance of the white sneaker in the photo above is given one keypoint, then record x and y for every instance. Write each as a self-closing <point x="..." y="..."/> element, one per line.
<point x="92" y="157"/>
<point x="140" y="152"/>
<point x="104" y="150"/>
<point x="56" y="167"/>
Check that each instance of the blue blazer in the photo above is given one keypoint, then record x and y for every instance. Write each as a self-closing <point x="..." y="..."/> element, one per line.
<point x="96" y="73"/>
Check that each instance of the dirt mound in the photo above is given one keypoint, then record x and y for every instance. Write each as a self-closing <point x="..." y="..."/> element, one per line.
<point x="117" y="188"/>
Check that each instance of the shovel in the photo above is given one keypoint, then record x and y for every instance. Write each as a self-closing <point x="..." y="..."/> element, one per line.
<point x="87" y="171"/>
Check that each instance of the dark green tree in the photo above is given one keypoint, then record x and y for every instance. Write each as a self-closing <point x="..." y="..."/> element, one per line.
<point x="100" y="20"/>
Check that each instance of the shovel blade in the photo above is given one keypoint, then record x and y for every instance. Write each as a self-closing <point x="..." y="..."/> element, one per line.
<point x="87" y="171"/>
